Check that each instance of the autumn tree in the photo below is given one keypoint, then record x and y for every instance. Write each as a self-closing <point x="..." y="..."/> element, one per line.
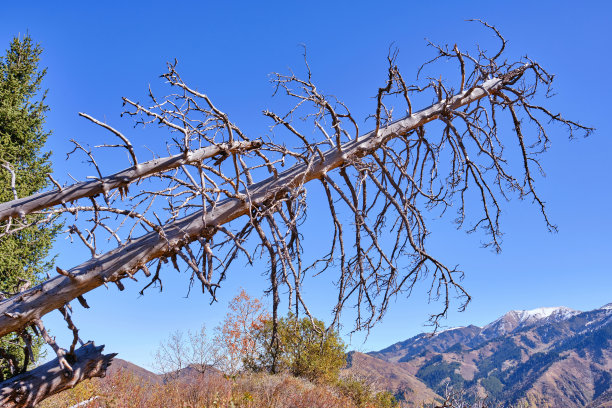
<point x="220" y="195"/>
<point x="236" y="335"/>
<point x="24" y="170"/>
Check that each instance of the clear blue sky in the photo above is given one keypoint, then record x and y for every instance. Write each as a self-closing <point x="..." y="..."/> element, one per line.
<point x="97" y="54"/>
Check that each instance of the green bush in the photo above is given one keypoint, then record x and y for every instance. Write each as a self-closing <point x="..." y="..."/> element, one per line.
<point x="304" y="349"/>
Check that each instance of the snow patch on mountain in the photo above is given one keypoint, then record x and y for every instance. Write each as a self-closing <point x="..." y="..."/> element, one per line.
<point x="606" y="307"/>
<point x="561" y="313"/>
<point x="449" y="329"/>
<point x="520" y="318"/>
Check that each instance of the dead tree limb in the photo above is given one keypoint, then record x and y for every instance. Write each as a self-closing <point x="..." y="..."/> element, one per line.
<point x="17" y="312"/>
<point x="28" y="389"/>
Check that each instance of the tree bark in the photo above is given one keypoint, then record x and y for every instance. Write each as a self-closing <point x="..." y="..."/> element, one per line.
<point x="28" y="389"/>
<point x="122" y="179"/>
<point x="20" y="310"/>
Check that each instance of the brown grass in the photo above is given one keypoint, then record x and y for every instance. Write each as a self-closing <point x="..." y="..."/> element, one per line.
<point x="123" y="389"/>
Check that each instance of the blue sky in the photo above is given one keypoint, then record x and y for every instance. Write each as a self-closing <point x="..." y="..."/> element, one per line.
<point x="96" y="54"/>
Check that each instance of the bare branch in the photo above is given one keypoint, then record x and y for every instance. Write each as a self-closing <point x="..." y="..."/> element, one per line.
<point x="120" y="179"/>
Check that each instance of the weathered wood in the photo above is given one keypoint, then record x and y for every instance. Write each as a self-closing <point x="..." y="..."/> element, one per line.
<point x="28" y="389"/>
<point x="36" y="202"/>
<point x="16" y="312"/>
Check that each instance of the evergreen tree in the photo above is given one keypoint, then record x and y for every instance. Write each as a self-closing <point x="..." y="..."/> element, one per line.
<point x="23" y="255"/>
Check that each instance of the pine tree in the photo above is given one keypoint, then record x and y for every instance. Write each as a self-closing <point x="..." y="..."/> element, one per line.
<point x="23" y="255"/>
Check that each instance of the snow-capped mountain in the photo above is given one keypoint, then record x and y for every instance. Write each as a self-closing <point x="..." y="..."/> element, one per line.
<point x="519" y="319"/>
<point x="473" y="336"/>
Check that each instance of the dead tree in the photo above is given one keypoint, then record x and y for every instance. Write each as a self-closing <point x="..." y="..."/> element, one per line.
<point x="221" y="196"/>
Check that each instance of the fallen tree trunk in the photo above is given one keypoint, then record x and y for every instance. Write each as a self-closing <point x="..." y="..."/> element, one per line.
<point x="122" y="179"/>
<point x="22" y="309"/>
<point x="28" y="389"/>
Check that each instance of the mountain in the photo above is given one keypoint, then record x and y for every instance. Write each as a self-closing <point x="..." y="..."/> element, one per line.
<point x="518" y="319"/>
<point x="192" y="373"/>
<point x="187" y="374"/>
<point x="119" y="365"/>
<point x="384" y="375"/>
<point x="425" y="342"/>
<point x="555" y="357"/>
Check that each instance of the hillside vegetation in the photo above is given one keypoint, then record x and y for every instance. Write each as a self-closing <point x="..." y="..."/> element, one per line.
<point x="550" y="357"/>
<point x="124" y="389"/>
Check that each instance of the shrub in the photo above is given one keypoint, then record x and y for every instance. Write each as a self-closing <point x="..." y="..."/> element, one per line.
<point x="304" y="349"/>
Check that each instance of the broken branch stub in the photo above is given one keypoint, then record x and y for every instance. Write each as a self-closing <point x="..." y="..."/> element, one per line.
<point x="28" y="389"/>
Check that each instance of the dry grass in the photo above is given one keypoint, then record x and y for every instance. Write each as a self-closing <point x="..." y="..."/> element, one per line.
<point x="123" y="389"/>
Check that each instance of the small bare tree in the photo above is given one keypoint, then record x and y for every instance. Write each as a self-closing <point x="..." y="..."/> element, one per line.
<point x="178" y="352"/>
<point x="457" y="399"/>
<point x="220" y="195"/>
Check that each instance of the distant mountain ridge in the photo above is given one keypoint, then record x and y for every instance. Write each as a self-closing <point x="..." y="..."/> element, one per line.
<point x="119" y="365"/>
<point x="517" y="319"/>
<point x="552" y="356"/>
<point x="188" y="373"/>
